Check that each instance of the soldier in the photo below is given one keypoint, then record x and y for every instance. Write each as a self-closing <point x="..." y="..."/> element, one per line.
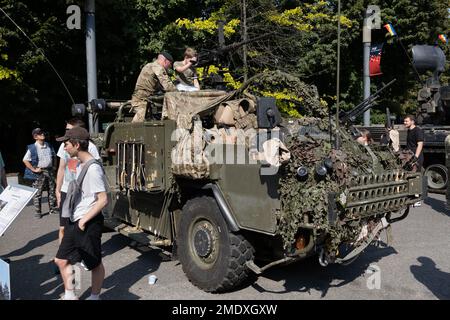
<point x="186" y="75"/>
<point x="447" y="164"/>
<point x="153" y="78"/>
<point x="38" y="161"/>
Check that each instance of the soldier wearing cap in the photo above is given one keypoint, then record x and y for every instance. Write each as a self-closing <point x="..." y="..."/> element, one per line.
<point x="38" y="161"/>
<point x="153" y="78"/>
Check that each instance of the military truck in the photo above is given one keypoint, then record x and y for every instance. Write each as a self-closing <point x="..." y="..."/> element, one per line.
<point x="231" y="187"/>
<point x="432" y="114"/>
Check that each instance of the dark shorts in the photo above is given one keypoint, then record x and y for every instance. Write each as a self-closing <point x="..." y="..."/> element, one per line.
<point x="78" y="245"/>
<point x="62" y="221"/>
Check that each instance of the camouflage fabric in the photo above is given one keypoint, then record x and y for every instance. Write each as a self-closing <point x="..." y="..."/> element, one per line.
<point x="306" y="201"/>
<point x="153" y="78"/>
<point x="182" y="106"/>
<point x="188" y="157"/>
<point x="47" y="176"/>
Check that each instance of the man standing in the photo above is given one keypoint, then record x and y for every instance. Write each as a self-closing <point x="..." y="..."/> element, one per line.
<point x="186" y="75"/>
<point x="153" y="78"/>
<point x="83" y="231"/>
<point x="38" y="161"/>
<point x="414" y="142"/>
<point x="414" y="139"/>
<point x="67" y="171"/>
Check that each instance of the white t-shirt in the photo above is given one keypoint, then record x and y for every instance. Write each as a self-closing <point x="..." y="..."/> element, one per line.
<point x="45" y="155"/>
<point x="73" y="163"/>
<point x="93" y="183"/>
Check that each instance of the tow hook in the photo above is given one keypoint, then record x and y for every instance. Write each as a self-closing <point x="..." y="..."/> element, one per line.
<point x="323" y="260"/>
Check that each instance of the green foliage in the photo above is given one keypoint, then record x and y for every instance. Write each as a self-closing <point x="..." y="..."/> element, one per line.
<point x="300" y="39"/>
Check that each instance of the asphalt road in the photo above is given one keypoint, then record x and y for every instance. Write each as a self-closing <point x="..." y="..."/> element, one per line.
<point x="416" y="266"/>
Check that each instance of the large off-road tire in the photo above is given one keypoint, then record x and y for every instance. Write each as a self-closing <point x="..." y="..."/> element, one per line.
<point x="213" y="258"/>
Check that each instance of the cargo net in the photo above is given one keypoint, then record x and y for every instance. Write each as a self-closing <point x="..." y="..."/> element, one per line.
<point x="361" y="196"/>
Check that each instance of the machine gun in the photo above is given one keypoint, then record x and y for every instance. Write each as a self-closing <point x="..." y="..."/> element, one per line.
<point x="434" y="99"/>
<point x="349" y="117"/>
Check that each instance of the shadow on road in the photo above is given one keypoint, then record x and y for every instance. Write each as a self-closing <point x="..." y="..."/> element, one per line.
<point x="308" y="274"/>
<point x="33" y="280"/>
<point x="33" y="244"/>
<point x="437" y="205"/>
<point x="437" y="281"/>
<point x="114" y="244"/>
<point x="118" y="284"/>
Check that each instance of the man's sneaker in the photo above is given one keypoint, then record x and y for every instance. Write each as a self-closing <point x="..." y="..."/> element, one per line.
<point x="63" y="297"/>
<point x="53" y="212"/>
<point x="417" y="204"/>
<point x="91" y="297"/>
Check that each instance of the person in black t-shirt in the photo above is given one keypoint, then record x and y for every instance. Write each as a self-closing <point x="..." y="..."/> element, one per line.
<point x="414" y="142"/>
<point x="414" y="139"/>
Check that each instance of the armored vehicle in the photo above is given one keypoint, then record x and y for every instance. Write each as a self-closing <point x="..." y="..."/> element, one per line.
<point x="232" y="187"/>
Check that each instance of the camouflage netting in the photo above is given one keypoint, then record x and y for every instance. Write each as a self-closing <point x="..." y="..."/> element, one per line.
<point x="305" y="97"/>
<point x="306" y="202"/>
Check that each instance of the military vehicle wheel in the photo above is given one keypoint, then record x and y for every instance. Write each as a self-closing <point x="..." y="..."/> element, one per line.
<point x="213" y="258"/>
<point x="437" y="176"/>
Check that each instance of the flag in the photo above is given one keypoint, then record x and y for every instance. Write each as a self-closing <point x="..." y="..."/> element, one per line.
<point x="375" y="59"/>
<point x="443" y="38"/>
<point x="390" y="29"/>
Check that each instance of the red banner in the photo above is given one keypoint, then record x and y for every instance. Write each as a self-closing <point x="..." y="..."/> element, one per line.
<point x="375" y="59"/>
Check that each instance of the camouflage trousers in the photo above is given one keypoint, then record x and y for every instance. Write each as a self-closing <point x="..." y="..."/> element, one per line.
<point x="140" y="109"/>
<point x="47" y="176"/>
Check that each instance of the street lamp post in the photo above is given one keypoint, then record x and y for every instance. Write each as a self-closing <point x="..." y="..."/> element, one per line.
<point x="91" y="60"/>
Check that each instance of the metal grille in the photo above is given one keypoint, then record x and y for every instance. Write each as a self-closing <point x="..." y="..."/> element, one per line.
<point x="372" y="194"/>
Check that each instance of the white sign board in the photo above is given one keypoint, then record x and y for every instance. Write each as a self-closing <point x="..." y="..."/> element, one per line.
<point x="5" y="283"/>
<point x="12" y="201"/>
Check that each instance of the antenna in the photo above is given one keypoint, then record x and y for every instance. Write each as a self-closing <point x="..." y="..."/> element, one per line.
<point x="337" y="138"/>
<point x="41" y="52"/>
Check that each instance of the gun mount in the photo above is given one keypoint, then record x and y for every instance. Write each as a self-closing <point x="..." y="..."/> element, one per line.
<point x="433" y="98"/>
<point x="349" y="117"/>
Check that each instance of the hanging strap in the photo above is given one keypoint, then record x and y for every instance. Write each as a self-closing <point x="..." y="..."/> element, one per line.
<point x="84" y="171"/>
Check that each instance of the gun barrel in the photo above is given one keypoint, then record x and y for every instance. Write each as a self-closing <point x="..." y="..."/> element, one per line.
<point x="363" y="106"/>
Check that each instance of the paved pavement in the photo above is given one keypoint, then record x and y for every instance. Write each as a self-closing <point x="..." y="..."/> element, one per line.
<point x="416" y="266"/>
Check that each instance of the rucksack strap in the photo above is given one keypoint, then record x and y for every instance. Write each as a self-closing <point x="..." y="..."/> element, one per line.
<point x="84" y="171"/>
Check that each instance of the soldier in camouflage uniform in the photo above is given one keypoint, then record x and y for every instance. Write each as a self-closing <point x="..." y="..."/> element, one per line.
<point x="447" y="164"/>
<point x="38" y="161"/>
<point x="153" y="78"/>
